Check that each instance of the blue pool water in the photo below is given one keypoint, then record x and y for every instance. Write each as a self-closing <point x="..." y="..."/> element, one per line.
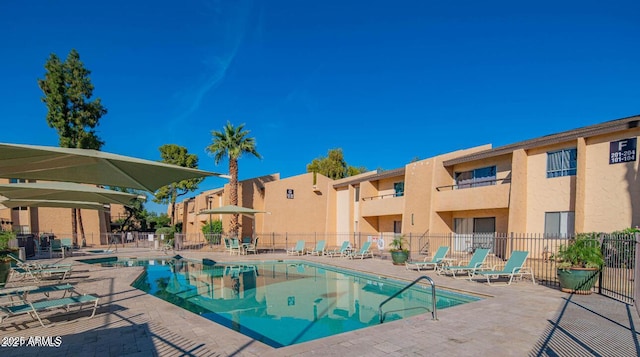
<point x="282" y="303"/>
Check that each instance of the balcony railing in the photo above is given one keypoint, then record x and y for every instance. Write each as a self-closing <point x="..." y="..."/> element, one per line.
<point x="379" y="197"/>
<point x="479" y="183"/>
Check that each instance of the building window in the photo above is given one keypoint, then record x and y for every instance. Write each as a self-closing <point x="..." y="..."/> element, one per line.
<point x="398" y="187"/>
<point x="14" y="180"/>
<point x="357" y="193"/>
<point x="559" y="224"/>
<point x="484" y="176"/>
<point x="562" y="163"/>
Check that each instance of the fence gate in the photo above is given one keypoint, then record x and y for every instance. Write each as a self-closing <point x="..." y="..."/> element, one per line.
<point x="617" y="278"/>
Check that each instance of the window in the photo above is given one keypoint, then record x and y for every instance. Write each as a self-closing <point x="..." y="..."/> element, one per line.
<point x="357" y="193"/>
<point x="398" y="187"/>
<point x="484" y="176"/>
<point x="559" y="224"/>
<point x="14" y="180"/>
<point x="562" y="163"/>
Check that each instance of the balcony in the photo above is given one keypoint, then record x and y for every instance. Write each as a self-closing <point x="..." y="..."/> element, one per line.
<point x="488" y="195"/>
<point x="383" y="205"/>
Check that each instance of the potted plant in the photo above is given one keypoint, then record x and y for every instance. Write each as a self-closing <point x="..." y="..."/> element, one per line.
<point x="5" y="260"/>
<point x="578" y="264"/>
<point x="399" y="252"/>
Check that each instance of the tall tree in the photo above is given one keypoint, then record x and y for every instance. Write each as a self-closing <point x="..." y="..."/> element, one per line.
<point x="177" y="155"/>
<point x="67" y="92"/>
<point x="334" y="166"/>
<point x="231" y="143"/>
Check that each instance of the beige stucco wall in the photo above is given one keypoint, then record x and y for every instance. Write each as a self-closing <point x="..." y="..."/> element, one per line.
<point x="612" y="191"/>
<point x="306" y="212"/>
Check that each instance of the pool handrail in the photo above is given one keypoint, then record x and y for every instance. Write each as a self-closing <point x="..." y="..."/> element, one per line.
<point x="434" y="314"/>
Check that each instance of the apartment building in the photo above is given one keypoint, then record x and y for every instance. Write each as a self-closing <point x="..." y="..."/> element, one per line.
<point x="581" y="180"/>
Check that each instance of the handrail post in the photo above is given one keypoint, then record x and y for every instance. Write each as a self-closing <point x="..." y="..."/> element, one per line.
<point x="434" y="313"/>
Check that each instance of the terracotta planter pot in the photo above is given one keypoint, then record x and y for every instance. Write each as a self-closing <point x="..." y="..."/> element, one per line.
<point x="577" y="280"/>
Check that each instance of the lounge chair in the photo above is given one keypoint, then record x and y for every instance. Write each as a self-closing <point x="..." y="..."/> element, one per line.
<point x="364" y="251"/>
<point x="12" y="308"/>
<point x="21" y="262"/>
<point x="319" y="249"/>
<point x="37" y="273"/>
<point x="343" y="251"/>
<point x="432" y="263"/>
<point x="475" y="263"/>
<point x="21" y="292"/>
<point x="514" y="267"/>
<point x="298" y="249"/>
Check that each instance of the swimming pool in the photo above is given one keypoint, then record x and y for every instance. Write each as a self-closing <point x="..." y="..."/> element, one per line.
<point x="282" y="303"/>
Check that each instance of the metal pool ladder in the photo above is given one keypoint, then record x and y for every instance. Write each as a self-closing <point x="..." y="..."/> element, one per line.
<point x="434" y="314"/>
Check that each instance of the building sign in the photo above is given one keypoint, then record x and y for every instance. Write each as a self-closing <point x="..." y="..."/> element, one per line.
<point x="622" y="151"/>
<point x="290" y="193"/>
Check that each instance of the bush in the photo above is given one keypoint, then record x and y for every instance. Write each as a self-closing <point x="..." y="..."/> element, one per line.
<point x="213" y="231"/>
<point x="168" y="234"/>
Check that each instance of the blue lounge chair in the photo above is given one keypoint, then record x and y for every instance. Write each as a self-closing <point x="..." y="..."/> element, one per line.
<point x="298" y="249"/>
<point x="432" y="263"/>
<point x="343" y="251"/>
<point x="11" y="308"/>
<point x="364" y="251"/>
<point x="513" y="268"/>
<point x="475" y="263"/>
<point x="319" y="249"/>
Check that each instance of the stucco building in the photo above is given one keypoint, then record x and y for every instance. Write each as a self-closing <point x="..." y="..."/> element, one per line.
<point x="582" y="180"/>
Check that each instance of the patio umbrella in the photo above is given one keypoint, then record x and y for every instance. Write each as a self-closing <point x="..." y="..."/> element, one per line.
<point x="231" y="209"/>
<point x="65" y="191"/>
<point x="90" y="166"/>
<point x="9" y="203"/>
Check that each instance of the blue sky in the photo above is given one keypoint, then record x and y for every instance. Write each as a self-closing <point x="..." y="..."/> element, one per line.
<point x="385" y="81"/>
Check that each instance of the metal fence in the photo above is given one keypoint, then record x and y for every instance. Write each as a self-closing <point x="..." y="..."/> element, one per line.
<point x="616" y="279"/>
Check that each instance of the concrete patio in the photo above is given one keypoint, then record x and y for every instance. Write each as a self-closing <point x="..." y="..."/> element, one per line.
<point x="518" y="320"/>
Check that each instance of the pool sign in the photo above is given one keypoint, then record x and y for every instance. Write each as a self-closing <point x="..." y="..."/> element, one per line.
<point x="290" y="193"/>
<point x="622" y="151"/>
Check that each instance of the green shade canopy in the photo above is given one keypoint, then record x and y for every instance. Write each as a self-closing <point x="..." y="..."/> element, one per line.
<point x="9" y="203"/>
<point x="65" y="191"/>
<point x="50" y="163"/>
<point x="231" y="209"/>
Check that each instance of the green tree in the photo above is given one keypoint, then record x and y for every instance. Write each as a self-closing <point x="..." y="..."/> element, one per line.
<point x="67" y="92"/>
<point x="231" y="143"/>
<point x="334" y="166"/>
<point x="177" y="155"/>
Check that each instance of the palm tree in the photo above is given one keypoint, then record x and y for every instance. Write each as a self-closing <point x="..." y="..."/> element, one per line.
<point x="231" y="143"/>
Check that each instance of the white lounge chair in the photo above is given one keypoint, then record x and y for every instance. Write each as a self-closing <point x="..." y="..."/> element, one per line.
<point x="319" y="249"/>
<point x="34" y="309"/>
<point x="343" y="251"/>
<point x="514" y="267"/>
<point x="432" y="263"/>
<point x="365" y="251"/>
<point x="298" y="249"/>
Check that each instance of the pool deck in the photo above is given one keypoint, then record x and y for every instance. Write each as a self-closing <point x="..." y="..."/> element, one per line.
<point x="517" y="320"/>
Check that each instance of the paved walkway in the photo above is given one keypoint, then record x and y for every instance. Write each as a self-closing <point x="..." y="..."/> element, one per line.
<point x="518" y="320"/>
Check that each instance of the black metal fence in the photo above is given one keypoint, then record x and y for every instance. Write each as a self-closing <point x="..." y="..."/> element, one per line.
<point x="616" y="279"/>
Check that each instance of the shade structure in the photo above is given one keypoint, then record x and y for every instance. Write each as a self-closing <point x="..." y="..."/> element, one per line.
<point x="65" y="191"/>
<point x="231" y="209"/>
<point x="50" y="163"/>
<point x="9" y="203"/>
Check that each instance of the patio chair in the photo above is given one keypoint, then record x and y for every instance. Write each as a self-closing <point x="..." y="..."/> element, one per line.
<point x="298" y="249"/>
<point x="364" y="251"/>
<point x="475" y="263"/>
<point x="514" y="267"/>
<point x="319" y="249"/>
<point x="343" y="251"/>
<point x="34" y="309"/>
<point x="427" y="263"/>
<point x="232" y="246"/>
<point x="21" y="262"/>
<point x="251" y="247"/>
